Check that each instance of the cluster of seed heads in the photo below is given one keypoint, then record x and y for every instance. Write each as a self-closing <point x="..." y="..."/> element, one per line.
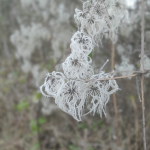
<point x="78" y="91"/>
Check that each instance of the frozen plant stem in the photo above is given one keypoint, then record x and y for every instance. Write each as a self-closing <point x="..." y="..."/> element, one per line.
<point x="142" y="69"/>
<point x="114" y="95"/>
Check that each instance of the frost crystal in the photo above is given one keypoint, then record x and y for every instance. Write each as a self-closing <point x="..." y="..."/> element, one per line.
<point x="78" y="91"/>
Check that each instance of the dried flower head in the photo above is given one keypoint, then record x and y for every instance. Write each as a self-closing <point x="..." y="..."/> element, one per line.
<point x="100" y="17"/>
<point x="78" y="89"/>
<point x="81" y="43"/>
<point x="52" y="84"/>
<point x="77" y="66"/>
<point x="71" y="99"/>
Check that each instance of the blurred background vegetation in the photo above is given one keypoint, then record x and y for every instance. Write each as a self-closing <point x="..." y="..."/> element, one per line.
<point x="34" y="40"/>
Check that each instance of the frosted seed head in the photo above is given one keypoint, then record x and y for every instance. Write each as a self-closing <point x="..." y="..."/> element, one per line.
<point x="71" y="99"/>
<point x="87" y="6"/>
<point x="99" y="92"/>
<point x="99" y="10"/>
<point x="81" y="43"/>
<point x="52" y="84"/>
<point x="77" y="66"/>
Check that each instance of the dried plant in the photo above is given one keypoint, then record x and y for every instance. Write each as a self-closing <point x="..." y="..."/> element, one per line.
<point x="78" y="91"/>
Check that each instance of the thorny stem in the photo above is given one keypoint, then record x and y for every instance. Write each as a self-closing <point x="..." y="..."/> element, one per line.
<point x="142" y="69"/>
<point x="114" y="96"/>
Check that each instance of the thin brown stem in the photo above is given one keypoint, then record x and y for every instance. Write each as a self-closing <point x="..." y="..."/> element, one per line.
<point x="138" y="73"/>
<point x="112" y="56"/>
<point x="136" y="122"/>
<point x="116" y="118"/>
<point x="117" y="77"/>
<point x="143" y="111"/>
<point x="114" y="95"/>
<point x="38" y="125"/>
<point x="142" y="69"/>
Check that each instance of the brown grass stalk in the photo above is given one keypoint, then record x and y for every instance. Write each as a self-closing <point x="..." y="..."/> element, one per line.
<point x="114" y="95"/>
<point x="142" y="68"/>
<point x="136" y="123"/>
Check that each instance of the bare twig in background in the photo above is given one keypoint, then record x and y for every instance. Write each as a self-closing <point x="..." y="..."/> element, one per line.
<point x="142" y="69"/>
<point x="6" y="49"/>
<point x="114" y="95"/>
<point x="127" y="133"/>
<point x="85" y="139"/>
<point x="143" y="111"/>
<point x="38" y="125"/>
<point x="112" y="56"/>
<point x="138" y="88"/>
<point x="136" y="123"/>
